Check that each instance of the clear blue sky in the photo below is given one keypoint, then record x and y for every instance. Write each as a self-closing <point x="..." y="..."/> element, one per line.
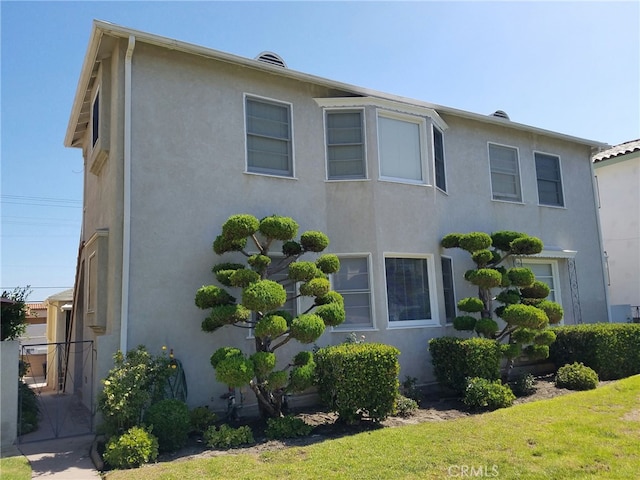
<point x="568" y="67"/>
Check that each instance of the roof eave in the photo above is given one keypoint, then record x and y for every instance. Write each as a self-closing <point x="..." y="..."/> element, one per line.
<point x="101" y="27"/>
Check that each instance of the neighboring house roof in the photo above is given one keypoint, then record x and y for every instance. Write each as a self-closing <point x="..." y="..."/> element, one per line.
<point x="618" y="150"/>
<point x="36" y="306"/>
<point x="64" y="296"/>
<point x="101" y="42"/>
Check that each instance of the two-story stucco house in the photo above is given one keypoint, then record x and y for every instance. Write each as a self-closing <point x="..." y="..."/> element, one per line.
<point x="617" y="172"/>
<point x="177" y="137"/>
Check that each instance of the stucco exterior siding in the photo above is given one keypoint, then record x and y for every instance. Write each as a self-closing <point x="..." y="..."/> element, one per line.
<point x="188" y="175"/>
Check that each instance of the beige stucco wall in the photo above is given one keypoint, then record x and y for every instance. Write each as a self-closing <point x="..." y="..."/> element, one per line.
<point x="188" y="159"/>
<point x="618" y="185"/>
<point x="9" y="393"/>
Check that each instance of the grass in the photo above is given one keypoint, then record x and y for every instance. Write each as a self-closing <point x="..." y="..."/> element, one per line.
<point x="592" y="434"/>
<point x="15" y="468"/>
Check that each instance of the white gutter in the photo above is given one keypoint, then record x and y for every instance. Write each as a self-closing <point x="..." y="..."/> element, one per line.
<point x="126" y="220"/>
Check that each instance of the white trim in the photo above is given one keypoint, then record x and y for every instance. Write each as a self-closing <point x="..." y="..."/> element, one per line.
<point x="422" y="137"/>
<point x="555" y="274"/>
<point x="433" y="300"/>
<point x="384" y="104"/>
<point x="91" y="300"/>
<point x="564" y="202"/>
<point x="365" y="165"/>
<point x="521" y="201"/>
<point x="347" y="327"/>
<point x="553" y="252"/>
<point x="274" y="101"/>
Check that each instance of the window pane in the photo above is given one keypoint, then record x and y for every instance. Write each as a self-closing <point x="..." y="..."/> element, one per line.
<point x="549" y="180"/>
<point x="345" y="147"/>
<point x="447" y="285"/>
<point x="352" y="282"/>
<point x="399" y="144"/>
<point x="407" y="289"/>
<point x="505" y="176"/>
<point x="268" y="138"/>
<point x="544" y="273"/>
<point x="438" y="148"/>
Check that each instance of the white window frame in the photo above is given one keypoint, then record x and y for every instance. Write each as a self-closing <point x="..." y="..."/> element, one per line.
<point x="434" y="127"/>
<point x="361" y="110"/>
<point x="560" y="180"/>
<point x="453" y="291"/>
<point x="519" y="173"/>
<point x="422" y="138"/>
<point x="433" y="301"/>
<point x="555" y="273"/>
<point x="265" y="172"/>
<point x="359" y="327"/>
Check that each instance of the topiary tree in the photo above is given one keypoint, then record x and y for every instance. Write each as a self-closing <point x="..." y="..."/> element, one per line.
<point x="522" y="303"/>
<point x="262" y="281"/>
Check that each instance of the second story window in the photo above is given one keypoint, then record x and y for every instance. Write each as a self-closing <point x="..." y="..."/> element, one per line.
<point x="400" y="144"/>
<point x="95" y="120"/>
<point x="345" y="145"/>
<point x="549" y="180"/>
<point x="438" y="159"/>
<point x="505" y="173"/>
<point x="269" y="145"/>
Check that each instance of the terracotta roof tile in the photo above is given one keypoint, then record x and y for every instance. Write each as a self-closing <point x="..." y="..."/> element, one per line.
<point x="622" y="149"/>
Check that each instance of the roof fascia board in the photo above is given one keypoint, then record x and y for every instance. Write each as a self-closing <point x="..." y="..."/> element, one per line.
<point x="101" y="27"/>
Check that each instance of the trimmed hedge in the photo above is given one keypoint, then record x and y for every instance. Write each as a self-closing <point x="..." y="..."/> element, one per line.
<point x="358" y="379"/>
<point x="456" y="359"/>
<point x="611" y="349"/>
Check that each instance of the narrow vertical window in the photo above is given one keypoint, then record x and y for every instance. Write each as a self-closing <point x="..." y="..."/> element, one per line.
<point x="447" y="286"/>
<point x="95" y="120"/>
<point x="505" y="173"/>
<point x="352" y="282"/>
<point x="549" y="180"/>
<point x="345" y="145"/>
<point x="438" y="159"/>
<point x="269" y="146"/>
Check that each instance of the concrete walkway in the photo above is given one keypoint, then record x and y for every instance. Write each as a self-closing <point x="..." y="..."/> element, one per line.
<point x="61" y="458"/>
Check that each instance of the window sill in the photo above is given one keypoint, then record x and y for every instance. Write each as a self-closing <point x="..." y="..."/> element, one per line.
<point x="344" y="329"/>
<point x="515" y="202"/>
<point x="416" y="183"/>
<point x="272" y="175"/>
<point x="341" y="180"/>
<point x="412" y="324"/>
<point x="559" y="207"/>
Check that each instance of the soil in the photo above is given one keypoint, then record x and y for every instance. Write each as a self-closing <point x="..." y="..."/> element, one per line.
<point x="434" y="407"/>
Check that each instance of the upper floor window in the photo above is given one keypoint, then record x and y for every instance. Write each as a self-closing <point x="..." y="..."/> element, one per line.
<point x="95" y="120"/>
<point x="505" y="173"/>
<point x="549" y="179"/>
<point x="438" y="159"/>
<point x="269" y="145"/>
<point x="345" y="145"/>
<point x="400" y="146"/>
<point x="352" y="282"/>
<point x="409" y="301"/>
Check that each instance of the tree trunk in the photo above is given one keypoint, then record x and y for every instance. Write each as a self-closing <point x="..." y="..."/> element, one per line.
<point x="485" y="295"/>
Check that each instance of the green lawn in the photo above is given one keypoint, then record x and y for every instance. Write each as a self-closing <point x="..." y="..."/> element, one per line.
<point x="594" y="434"/>
<point x="15" y="468"/>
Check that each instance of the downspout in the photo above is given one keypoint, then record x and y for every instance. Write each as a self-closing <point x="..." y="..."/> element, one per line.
<point x="126" y="220"/>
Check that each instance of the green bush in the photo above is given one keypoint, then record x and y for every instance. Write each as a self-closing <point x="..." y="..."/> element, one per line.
<point x="405" y="406"/>
<point x="287" y="427"/>
<point x="131" y="449"/>
<point x="358" y="379"/>
<point x="524" y="385"/>
<point x="28" y="409"/>
<point x="455" y="359"/>
<point x="611" y="349"/>
<point x="484" y="394"/>
<point x="576" y="376"/>
<point x="201" y="418"/>
<point x="170" y="422"/>
<point x="228" y="437"/>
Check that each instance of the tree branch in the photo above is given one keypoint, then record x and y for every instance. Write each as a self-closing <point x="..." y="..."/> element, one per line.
<point x="287" y="339"/>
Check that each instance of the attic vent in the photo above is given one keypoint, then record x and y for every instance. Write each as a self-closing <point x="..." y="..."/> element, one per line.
<point x="272" y="58"/>
<point x="500" y="114"/>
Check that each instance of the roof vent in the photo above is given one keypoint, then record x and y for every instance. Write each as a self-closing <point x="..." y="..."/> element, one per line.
<point x="500" y="114"/>
<point x="272" y="58"/>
